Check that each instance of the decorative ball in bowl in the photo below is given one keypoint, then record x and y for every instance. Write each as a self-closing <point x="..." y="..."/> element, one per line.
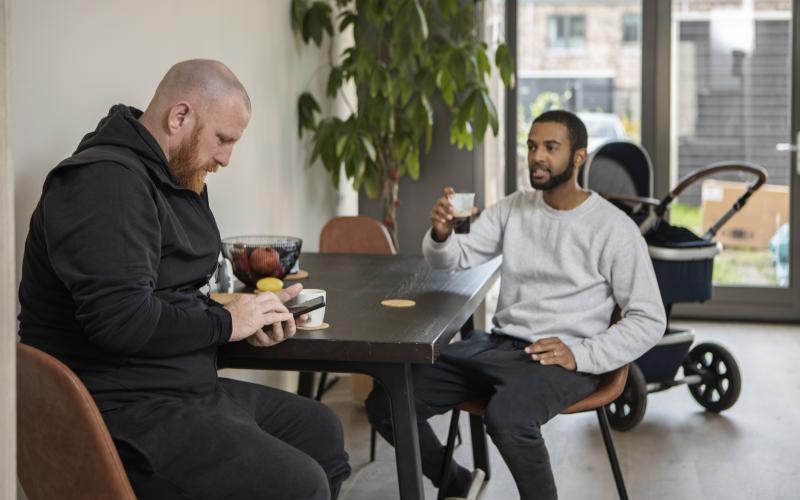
<point x="256" y="257"/>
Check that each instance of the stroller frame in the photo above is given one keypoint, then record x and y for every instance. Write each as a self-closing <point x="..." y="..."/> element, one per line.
<point x="709" y="370"/>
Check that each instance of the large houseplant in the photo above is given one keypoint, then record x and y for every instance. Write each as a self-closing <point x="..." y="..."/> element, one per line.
<point x="399" y="65"/>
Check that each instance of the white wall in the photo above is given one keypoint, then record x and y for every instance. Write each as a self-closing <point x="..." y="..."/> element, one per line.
<point x="8" y="469"/>
<point x="70" y="60"/>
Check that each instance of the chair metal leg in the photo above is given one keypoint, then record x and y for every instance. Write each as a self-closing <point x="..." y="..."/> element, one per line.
<point x="480" y="450"/>
<point x="324" y="385"/>
<point x="612" y="454"/>
<point x="373" y="436"/>
<point x="444" y="476"/>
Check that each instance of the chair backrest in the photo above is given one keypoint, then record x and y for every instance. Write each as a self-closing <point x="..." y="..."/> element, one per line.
<point x="64" y="449"/>
<point x="357" y="234"/>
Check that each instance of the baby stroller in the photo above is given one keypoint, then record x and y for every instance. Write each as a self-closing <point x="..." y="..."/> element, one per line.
<point x="683" y="262"/>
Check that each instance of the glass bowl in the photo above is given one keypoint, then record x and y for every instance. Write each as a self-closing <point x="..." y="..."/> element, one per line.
<point x="256" y="257"/>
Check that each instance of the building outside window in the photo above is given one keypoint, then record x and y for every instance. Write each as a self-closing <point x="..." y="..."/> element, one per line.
<point x="598" y="77"/>
<point x="631" y="27"/>
<point x="567" y="31"/>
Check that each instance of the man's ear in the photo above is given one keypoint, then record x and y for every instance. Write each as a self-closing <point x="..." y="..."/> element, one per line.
<point x="579" y="159"/>
<point x="180" y="115"/>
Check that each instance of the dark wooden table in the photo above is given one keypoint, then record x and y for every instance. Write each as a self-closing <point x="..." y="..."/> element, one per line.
<point x="366" y="337"/>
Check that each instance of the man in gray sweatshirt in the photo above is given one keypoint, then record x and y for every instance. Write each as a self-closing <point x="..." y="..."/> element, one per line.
<point x="569" y="257"/>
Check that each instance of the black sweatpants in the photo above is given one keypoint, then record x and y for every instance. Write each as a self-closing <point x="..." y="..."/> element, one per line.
<point x="242" y="441"/>
<point x="522" y="393"/>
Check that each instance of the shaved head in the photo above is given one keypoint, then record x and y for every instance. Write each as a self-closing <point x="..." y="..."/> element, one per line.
<point x="203" y="82"/>
<point x="199" y="111"/>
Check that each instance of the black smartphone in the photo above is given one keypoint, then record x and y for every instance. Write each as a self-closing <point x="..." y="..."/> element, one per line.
<point x="298" y="309"/>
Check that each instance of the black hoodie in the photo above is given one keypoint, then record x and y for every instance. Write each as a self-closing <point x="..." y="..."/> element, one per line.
<point x="114" y="258"/>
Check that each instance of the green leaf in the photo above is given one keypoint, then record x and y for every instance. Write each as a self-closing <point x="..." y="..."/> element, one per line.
<point x="369" y="148"/>
<point x="421" y="21"/>
<point x="319" y="139"/>
<point x="487" y="102"/>
<point x="448" y="8"/>
<point x="502" y="58"/>
<point x="480" y="117"/>
<point x="482" y="60"/>
<point x="306" y="108"/>
<point x="340" y="145"/>
<point x="377" y="82"/>
<point x="413" y="164"/>
<point x="334" y="81"/>
<point x="335" y="173"/>
<point x="328" y="155"/>
<point x="465" y="111"/>
<point x="447" y="86"/>
<point x="372" y="183"/>
<point x="298" y="11"/>
<point x="346" y="18"/>
<point x="457" y="65"/>
<point x="406" y="90"/>
<point x="327" y="23"/>
<point x="312" y="28"/>
<point x="427" y="121"/>
<point x="317" y="20"/>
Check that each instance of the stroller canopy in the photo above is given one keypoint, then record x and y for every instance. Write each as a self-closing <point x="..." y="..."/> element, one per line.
<point x="618" y="167"/>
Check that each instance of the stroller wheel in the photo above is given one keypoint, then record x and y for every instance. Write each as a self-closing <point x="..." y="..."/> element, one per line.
<point x="722" y="381"/>
<point x="625" y="412"/>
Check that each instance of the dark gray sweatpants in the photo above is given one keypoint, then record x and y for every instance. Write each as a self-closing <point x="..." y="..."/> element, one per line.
<point x="524" y="395"/>
<point x="242" y="441"/>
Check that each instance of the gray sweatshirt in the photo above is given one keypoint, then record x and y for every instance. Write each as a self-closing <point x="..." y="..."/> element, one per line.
<point x="562" y="274"/>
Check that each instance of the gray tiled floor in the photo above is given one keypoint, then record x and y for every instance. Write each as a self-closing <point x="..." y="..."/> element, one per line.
<point x="679" y="451"/>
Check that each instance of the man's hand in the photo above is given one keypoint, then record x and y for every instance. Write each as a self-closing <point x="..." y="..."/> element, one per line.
<point x="251" y="313"/>
<point x="552" y="351"/>
<point x="442" y="216"/>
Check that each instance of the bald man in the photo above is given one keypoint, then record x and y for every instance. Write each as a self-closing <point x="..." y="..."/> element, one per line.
<point x="119" y="246"/>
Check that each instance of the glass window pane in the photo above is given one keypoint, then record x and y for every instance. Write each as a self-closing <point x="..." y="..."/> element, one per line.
<point x="493" y="13"/>
<point x="731" y="98"/>
<point x="571" y="55"/>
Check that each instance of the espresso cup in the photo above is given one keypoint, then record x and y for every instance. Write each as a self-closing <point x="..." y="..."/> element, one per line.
<point x="317" y="316"/>
<point x="462" y="211"/>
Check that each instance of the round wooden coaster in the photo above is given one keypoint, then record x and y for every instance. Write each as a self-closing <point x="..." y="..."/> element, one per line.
<point x="312" y="328"/>
<point x="299" y="275"/>
<point x="398" y="303"/>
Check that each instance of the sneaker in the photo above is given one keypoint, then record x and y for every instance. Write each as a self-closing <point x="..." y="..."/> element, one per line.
<point x="478" y="475"/>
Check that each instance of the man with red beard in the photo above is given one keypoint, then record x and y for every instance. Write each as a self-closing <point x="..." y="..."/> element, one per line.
<point x="569" y="257"/>
<point x="119" y="246"/>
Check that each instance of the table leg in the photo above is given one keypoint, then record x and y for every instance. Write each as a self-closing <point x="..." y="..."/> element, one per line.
<point x="305" y="384"/>
<point x="396" y="379"/>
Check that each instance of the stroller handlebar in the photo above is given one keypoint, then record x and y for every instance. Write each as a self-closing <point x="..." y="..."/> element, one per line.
<point x="726" y="166"/>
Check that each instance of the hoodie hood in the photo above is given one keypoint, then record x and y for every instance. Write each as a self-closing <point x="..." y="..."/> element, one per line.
<point x="121" y="128"/>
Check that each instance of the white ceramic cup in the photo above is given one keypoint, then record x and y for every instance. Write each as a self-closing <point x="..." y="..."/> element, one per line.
<point x="316" y="317"/>
<point x="462" y="204"/>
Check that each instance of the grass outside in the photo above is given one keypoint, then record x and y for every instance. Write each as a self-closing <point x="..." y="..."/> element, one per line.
<point x="735" y="266"/>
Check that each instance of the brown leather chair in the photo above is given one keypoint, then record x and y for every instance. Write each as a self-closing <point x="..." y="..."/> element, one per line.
<point x="64" y="449"/>
<point x="357" y="234"/>
<point x="611" y="386"/>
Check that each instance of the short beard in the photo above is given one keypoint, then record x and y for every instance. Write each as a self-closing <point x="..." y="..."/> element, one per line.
<point x="555" y="180"/>
<point x="184" y="164"/>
